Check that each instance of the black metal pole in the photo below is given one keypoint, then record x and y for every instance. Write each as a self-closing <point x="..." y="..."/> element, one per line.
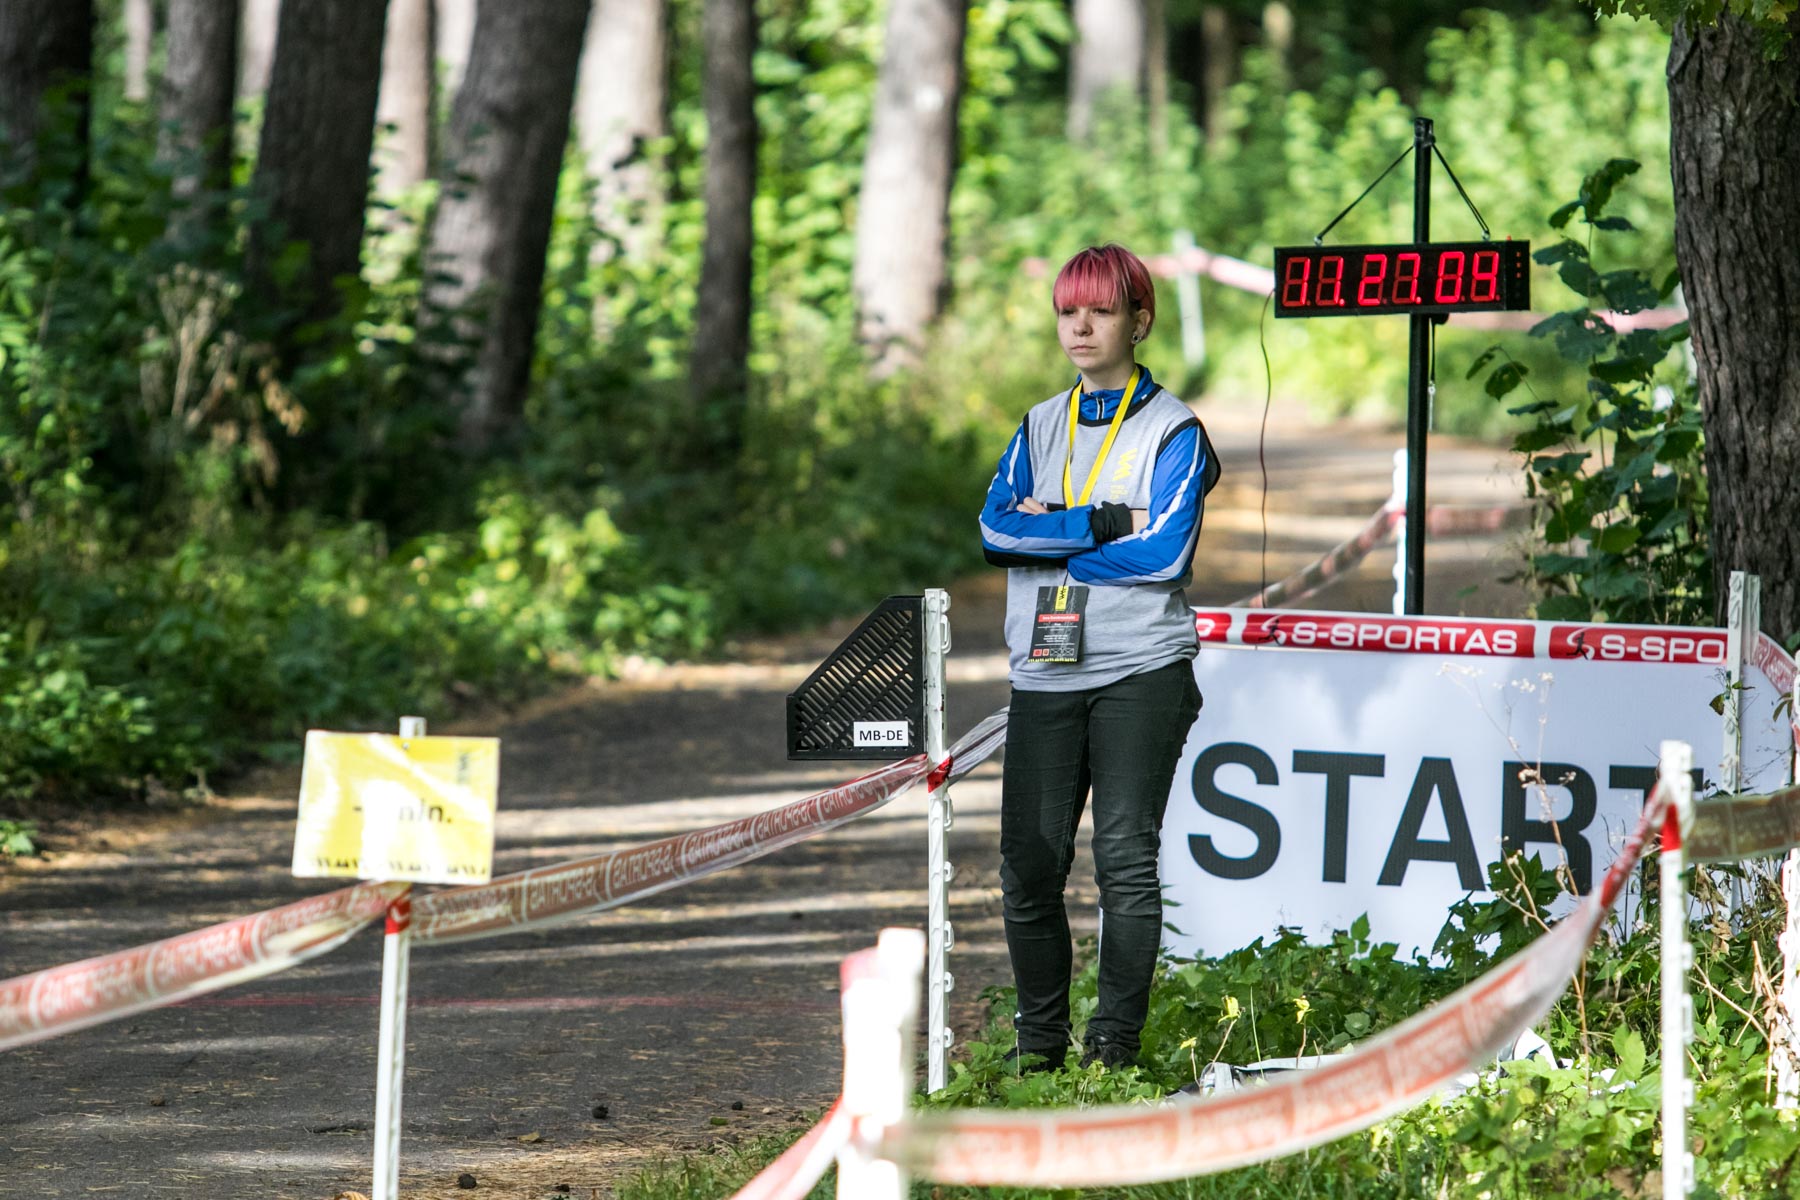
<point x="1418" y="412"/>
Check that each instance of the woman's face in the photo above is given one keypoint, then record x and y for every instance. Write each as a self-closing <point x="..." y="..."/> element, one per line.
<point x="1098" y="339"/>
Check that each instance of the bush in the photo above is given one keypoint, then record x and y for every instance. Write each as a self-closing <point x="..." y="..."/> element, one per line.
<point x="1534" y="1131"/>
<point x="1624" y="523"/>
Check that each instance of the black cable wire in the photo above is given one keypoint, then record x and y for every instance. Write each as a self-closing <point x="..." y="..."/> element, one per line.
<point x="1320" y="236"/>
<point x="1262" y="437"/>
<point x="1486" y="233"/>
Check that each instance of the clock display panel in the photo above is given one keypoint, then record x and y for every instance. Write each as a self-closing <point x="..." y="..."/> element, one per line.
<point x="1432" y="277"/>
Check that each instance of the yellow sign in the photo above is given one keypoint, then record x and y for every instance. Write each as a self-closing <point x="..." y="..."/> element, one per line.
<point x="377" y="806"/>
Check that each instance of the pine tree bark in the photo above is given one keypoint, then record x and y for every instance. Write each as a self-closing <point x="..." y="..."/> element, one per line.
<point x="312" y="165"/>
<point x="256" y="56"/>
<point x="622" y="104"/>
<point x="718" y="368"/>
<point x="487" y="239"/>
<point x="1156" y="79"/>
<point x="140" y="32"/>
<point x="1106" y="65"/>
<point x="407" y="105"/>
<point x="199" y="91"/>
<point x="455" y="37"/>
<point x="1734" y="120"/>
<point x="1278" y="38"/>
<point x="45" y="46"/>
<point x="900" y="273"/>
<point x="1219" y="68"/>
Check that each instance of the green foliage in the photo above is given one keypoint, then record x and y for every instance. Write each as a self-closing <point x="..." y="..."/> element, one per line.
<point x="211" y="547"/>
<point x="1616" y="457"/>
<point x="1519" y="103"/>
<point x="1773" y="17"/>
<point x="1582" y="1128"/>
<point x="15" y="837"/>
<point x="239" y="641"/>
<point x="225" y="534"/>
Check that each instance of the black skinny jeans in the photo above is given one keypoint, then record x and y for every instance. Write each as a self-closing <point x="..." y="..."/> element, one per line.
<point x="1122" y="740"/>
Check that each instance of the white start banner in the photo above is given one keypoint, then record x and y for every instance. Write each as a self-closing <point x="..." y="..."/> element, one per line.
<point x="1348" y="763"/>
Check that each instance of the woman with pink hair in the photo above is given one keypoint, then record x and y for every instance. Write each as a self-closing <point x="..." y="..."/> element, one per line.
<point x="1094" y="511"/>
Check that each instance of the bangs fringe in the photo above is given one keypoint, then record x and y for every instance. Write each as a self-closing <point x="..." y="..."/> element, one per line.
<point x="1107" y="275"/>
<point x="1088" y="281"/>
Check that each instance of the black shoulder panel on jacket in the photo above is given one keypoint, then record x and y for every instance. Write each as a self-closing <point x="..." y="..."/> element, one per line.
<point x="999" y="558"/>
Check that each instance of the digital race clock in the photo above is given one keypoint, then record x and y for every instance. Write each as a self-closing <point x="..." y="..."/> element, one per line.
<point x="1431" y="277"/>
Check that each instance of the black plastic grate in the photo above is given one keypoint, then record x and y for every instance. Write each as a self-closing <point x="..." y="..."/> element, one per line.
<point x="875" y="674"/>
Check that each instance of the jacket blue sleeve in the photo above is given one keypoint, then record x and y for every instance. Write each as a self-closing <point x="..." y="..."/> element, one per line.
<point x="1033" y="539"/>
<point x="1164" y="547"/>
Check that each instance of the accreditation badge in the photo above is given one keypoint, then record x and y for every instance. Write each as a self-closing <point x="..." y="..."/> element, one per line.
<point x="1056" y="628"/>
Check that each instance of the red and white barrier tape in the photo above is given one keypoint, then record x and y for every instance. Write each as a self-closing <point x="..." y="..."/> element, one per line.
<point x="1776" y="664"/>
<point x="1461" y="520"/>
<point x="546" y="895"/>
<point x="1130" y="1144"/>
<point x="1440" y="520"/>
<point x="63" y="999"/>
<point x="792" y="1175"/>
<point x="1334" y="562"/>
<point x="1730" y="828"/>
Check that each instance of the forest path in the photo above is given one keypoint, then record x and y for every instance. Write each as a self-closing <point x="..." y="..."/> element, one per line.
<point x="670" y="1013"/>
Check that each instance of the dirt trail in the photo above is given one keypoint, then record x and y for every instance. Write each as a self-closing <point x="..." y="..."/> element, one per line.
<point x="696" y="1017"/>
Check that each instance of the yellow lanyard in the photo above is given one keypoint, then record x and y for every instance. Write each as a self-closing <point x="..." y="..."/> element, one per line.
<point x="1087" y="489"/>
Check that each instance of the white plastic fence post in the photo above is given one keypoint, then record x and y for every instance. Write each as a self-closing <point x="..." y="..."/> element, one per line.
<point x="1787" y="1041"/>
<point x="1397" y="499"/>
<point x="390" y="1065"/>
<point x="1674" y="763"/>
<point x="880" y="1007"/>
<point x="1743" y="617"/>
<point x="1187" y="300"/>
<point x="938" y="819"/>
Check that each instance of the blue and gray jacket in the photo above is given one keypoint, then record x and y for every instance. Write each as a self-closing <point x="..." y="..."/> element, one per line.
<point x="1137" y="613"/>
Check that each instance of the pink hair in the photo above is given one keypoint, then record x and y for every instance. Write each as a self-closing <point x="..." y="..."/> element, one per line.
<point x="1108" y="274"/>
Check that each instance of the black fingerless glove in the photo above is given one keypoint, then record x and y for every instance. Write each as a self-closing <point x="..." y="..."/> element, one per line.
<point x="1110" y="521"/>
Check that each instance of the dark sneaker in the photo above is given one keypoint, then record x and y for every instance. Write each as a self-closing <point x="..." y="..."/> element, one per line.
<point x="1111" y="1055"/>
<point x="1021" y="1060"/>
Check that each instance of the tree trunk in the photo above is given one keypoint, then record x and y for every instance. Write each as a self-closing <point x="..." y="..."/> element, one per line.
<point x="1219" y="68"/>
<point x="45" y="45"/>
<point x="1734" y="120"/>
<point x="140" y="31"/>
<point x="257" y="53"/>
<point x="199" y="90"/>
<point x="718" y="368"/>
<point x="1278" y="37"/>
<point x="486" y="244"/>
<point x="455" y="37"/>
<point x="903" y="216"/>
<point x="1106" y="66"/>
<point x="312" y="167"/>
<point x="622" y="104"/>
<point x="1156" y="80"/>
<point x="403" y="156"/>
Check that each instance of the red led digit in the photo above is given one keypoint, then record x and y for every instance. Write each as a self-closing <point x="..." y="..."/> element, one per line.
<point x="1294" y="281"/>
<point x="1450" y="277"/>
<point x="1331" y="279"/>
<point x="1406" y="279"/>
<point x="1374" y="274"/>
<point x="1485" y="287"/>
